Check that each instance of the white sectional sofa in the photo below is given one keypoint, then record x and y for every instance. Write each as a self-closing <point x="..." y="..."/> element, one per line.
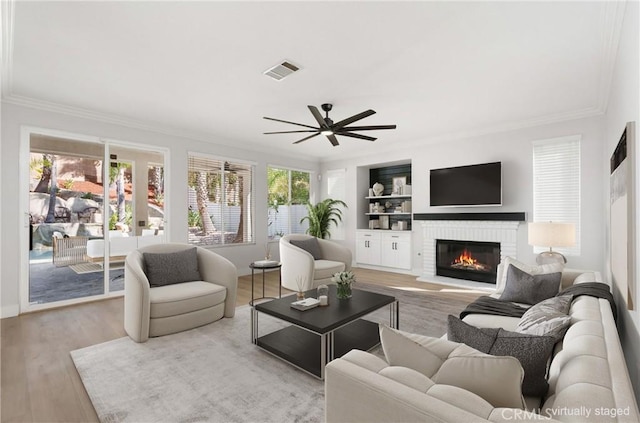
<point x="588" y="379"/>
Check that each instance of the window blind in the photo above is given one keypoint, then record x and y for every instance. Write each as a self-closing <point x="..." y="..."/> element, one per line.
<point x="556" y="185"/>
<point x="220" y="201"/>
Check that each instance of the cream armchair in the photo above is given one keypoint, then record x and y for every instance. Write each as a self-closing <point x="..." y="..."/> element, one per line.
<point x="298" y="262"/>
<point x="162" y="310"/>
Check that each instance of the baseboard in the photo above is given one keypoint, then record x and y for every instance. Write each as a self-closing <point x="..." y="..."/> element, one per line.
<point x="385" y="269"/>
<point x="9" y="311"/>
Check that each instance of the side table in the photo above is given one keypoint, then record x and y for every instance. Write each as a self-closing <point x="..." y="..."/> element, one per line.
<point x="265" y="265"/>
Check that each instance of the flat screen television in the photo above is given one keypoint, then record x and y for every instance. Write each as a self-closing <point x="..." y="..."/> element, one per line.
<point x="474" y="185"/>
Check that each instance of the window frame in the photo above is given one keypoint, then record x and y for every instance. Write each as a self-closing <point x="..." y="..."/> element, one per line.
<point x="249" y="236"/>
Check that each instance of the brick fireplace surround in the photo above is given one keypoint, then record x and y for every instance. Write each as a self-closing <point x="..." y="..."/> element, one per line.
<point x="482" y="227"/>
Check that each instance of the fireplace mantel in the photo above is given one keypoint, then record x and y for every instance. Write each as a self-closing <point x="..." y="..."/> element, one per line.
<point x="505" y="217"/>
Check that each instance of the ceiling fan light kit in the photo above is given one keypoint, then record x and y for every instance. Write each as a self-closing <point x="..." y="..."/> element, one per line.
<point x="330" y="129"/>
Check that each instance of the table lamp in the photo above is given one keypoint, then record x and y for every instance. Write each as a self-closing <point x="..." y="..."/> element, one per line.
<point x="551" y="234"/>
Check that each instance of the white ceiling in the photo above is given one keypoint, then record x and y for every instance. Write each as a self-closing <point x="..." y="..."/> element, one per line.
<point x="436" y="69"/>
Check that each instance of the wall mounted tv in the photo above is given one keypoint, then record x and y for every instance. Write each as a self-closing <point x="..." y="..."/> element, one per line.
<point x="474" y="185"/>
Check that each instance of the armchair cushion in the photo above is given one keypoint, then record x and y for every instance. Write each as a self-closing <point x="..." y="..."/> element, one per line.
<point x="170" y="268"/>
<point x="310" y="245"/>
<point x="325" y="269"/>
<point x="172" y="300"/>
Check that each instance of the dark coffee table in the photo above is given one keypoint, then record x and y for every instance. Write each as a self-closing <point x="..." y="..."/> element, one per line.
<point x="321" y="334"/>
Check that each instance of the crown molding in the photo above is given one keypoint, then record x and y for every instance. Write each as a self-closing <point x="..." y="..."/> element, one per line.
<point x="478" y="132"/>
<point x="613" y="17"/>
<point x="7" y="19"/>
<point x="209" y="138"/>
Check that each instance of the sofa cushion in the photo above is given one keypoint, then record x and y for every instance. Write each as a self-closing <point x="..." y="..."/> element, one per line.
<point x="532" y="270"/>
<point x="548" y="317"/>
<point x="324" y="269"/>
<point x="169" y="268"/>
<point x="495" y="379"/>
<point x="172" y="300"/>
<point x="523" y="287"/>
<point x="532" y="351"/>
<point x="311" y="246"/>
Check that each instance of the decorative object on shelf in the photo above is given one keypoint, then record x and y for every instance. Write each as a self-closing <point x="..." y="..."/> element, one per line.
<point x="378" y="189"/>
<point x="406" y="190"/>
<point x="384" y="222"/>
<point x="300" y="282"/>
<point x="398" y="183"/>
<point x="371" y="194"/>
<point x="388" y="205"/>
<point x="551" y="234"/>
<point x="343" y="281"/>
<point x="374" y="224"/>
<point x="322" y="215"/>
<point x="323" y="295"/>
<point x="395" y="227"/>
<point x="402" y="225"/>
<point x="406" y="206"/>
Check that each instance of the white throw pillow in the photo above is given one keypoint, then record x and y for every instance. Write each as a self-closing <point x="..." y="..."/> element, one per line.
<point x="542" y="269"/>
<point x="497" y="380"/>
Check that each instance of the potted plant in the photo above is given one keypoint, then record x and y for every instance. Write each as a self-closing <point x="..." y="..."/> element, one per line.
<point x="321" y="215"/>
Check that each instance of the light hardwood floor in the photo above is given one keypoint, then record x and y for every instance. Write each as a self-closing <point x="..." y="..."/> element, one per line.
<point x="39" y="382"/>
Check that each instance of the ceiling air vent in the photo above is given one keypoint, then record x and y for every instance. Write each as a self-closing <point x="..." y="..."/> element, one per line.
<point x="281" y="70"/>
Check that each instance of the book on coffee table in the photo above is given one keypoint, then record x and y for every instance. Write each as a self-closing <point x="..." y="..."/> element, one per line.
<point x="305" y="304"/>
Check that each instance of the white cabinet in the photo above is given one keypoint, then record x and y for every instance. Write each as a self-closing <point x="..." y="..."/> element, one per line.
<point x="368" y="247"/>
<point x="384" y="248"/>
<point x="396" y="250"/>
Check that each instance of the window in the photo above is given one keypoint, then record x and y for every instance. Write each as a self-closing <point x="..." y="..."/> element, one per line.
<point x="556" y="185"/>
<point x="287" y="198"/>
<point x="220" y="201"/>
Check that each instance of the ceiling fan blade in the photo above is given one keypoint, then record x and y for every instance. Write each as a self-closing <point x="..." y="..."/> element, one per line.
<point x="353" y="118"/>
<point x="316" y="114"/>
<point x="352" y="135"/>
<point x="332" y="138"/>
<point x="306" y="138"/>
<point x="293" y="123"/>
<point x="367" y="128"/>
<point x="290" y="132"/>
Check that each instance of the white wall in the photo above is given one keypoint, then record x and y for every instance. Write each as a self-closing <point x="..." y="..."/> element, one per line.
<point x="13" y="231"/>
<point x="624" y="107"/>
<point x="514" y="150"/>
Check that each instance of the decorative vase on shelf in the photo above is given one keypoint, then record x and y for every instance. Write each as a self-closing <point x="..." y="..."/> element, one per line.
<point x="378" y="189"/>
<point x="344" y="282"/>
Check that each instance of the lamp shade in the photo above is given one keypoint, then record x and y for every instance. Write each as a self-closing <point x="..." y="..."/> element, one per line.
<point x="552" y="234"/>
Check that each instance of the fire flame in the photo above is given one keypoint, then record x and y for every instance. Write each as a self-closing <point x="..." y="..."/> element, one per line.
<point x="465" y="259"/>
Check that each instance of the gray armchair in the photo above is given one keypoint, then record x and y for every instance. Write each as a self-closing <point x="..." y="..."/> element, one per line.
<point x="297" y="262"/>
<point x="162" y="310"/>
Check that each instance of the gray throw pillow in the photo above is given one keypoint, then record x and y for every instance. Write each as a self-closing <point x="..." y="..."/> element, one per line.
<point x="482" y="339"/>
<point x="311" y="246"/>
<point x="548" y="317"/>
<point x="170" y="268"/>
<point x="532" y="351"/>
<point x="521" y="287"/>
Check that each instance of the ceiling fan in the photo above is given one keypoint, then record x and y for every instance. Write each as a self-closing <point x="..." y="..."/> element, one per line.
<point x="330" y="129"/>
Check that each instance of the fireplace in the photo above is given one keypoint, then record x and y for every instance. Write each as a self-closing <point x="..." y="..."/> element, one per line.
<point x="470" y="260"/>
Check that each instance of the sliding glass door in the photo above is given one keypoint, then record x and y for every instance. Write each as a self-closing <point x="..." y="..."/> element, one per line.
<point x="90" y="203"/>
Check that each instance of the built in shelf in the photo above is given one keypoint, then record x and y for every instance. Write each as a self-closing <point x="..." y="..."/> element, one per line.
<point x="384" y="197"/>
<point x="517" y="216"/>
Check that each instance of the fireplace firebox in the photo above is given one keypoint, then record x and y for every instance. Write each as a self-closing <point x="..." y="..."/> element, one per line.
<point x="470" y="260"/>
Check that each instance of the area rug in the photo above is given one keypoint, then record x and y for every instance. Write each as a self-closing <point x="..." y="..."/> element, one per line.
<point x="215" y="374"/>
<point x="83" y="268"/>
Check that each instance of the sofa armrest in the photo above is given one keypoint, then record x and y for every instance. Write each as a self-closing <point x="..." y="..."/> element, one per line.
<point x="137" y="304"/>
<point x="296" y="263"/>
<point x="217" y="269"/>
